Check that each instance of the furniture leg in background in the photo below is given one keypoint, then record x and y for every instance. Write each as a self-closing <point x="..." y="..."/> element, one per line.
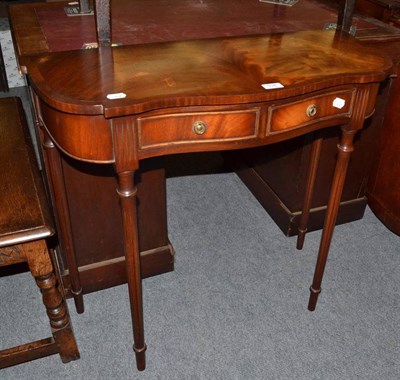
<point x="310" y="184"/>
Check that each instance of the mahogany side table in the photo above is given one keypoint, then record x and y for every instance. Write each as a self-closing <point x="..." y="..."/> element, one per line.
<point x="151" y="100"/>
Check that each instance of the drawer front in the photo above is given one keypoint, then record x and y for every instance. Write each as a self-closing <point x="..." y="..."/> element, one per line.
<point x="197" y="127"/>
<point x="304" y="112"/>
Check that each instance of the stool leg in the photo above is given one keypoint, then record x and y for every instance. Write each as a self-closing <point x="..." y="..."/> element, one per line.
<point x="38" y="258"/>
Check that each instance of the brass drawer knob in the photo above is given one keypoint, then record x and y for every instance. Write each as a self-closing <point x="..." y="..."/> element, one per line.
<point x="311" y="110"/>
<point x="199" y="127"/>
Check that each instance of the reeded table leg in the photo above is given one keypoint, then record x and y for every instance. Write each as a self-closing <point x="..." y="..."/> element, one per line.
<point x="345" y="147"/>
<point x="127" y="193"/>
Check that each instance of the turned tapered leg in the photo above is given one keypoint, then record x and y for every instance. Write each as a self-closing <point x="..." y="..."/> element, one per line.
<point x="127" y="193"/>
<point x="310" y="182"/>
<point x="40" y="265"/>
<point x="345" y="147"/>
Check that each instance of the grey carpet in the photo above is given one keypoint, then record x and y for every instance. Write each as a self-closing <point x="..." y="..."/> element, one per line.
<point x="236" y="305"/>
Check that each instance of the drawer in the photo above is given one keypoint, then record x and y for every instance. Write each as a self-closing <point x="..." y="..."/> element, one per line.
<point x="311" y="110"/>
<point x="197" y="127"/>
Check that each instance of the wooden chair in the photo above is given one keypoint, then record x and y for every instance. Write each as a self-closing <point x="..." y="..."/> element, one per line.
<point x="25" y="223"/>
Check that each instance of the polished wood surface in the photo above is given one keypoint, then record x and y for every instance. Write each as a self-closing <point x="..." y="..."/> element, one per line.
<point x="144" y="101"/>
<point x="25" y="223"/>
<point x="41" y="27"/>
<point x="195" y="73"/>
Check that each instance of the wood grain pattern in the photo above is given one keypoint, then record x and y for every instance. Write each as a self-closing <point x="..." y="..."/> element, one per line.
<point x="11" y="255"/>
<point x="42" y="27"/>
<point x="204" y="72"/>
<point x="22" y="218"/>
<point x="294" y="115"/>
<point x="170" y="129"/>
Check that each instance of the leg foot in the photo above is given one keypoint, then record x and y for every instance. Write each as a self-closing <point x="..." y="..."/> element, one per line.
<point x="140" y="357"/>
<point x="312" y="302"/>
<point x="300" y="238"/>
<point x="78" y="300"/>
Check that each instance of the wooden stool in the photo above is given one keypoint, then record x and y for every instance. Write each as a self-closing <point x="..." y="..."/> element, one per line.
<point x="25" y="223"/>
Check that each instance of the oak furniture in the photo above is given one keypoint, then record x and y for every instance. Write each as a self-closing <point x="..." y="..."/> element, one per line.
<point x="140" y="102"/>
<point x="25" y="225"/>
